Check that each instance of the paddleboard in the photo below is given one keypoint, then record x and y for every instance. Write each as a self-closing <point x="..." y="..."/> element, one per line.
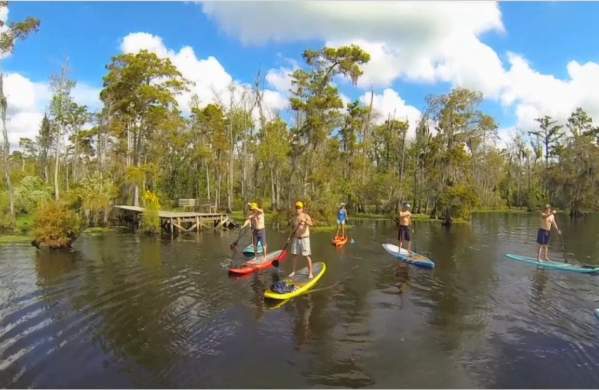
<point x="557" y="265"/>
<point x="339" y="241"/>
<point x="300" y="281"/>
<point x="249" y="250"/>
<point x="259" y="263"/>
<point x="414" y="259"/>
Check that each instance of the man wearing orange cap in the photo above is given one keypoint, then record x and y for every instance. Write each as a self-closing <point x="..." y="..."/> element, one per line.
<point x="300" y="245"/>
<point x="256" y="220"/>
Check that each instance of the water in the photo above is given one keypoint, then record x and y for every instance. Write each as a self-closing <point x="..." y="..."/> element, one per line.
<point x="121" y="310"/>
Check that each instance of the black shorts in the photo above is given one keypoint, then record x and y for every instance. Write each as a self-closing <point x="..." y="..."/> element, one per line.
<point x="404" y="233"/>
<point x="260" y="237"/>
<point x="543" y="237"/>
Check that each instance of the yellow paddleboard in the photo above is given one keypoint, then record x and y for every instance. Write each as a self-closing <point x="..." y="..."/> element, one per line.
<point x="300" y="281"/>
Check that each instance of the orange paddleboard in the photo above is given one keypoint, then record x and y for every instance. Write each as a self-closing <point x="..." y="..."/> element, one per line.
<point x="339" y="241"/>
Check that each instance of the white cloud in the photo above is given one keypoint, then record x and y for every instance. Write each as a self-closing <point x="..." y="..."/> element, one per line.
<point x="135" y="42"/>
<point x="418" y="41"/>
<point x="26" y="103"/>
<point x="411" y="22"/>
<point x="423" y="42"/>
<point x="535" y="94"/>
<point x="390" y="105"/>
<point x="210" y="81"/>
<point x="280" y="79"/>
<point x="28" y="100"/>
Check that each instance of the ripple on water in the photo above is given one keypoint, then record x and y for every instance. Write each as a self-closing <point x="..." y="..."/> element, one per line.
<point x="128" y="311"/>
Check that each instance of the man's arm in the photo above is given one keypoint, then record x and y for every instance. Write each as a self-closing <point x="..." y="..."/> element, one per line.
<point x="308" y="220"/>
<point x="404" y="214"/>
<point x="554" y="223"/>
<point x="247" y="222"/>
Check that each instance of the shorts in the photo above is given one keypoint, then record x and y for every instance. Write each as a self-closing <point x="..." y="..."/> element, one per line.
<point x="301" y="246"/>
<point x="404" y="233"/>
<point x="341" y="222"/>
<point x="543" y="237"/>
<point x="260" y="237"/>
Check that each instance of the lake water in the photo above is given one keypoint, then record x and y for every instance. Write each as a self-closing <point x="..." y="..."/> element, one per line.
<point x="122" y="310"/>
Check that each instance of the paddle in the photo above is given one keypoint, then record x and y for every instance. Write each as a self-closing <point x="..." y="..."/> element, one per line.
<point x="275" y="262"/>
<point x="561" y="240"/>
<point x="234" y="244"/>
<point x="589" y="266"/>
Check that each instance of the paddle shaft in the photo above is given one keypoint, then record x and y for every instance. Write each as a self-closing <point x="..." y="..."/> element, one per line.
<point x="275" y="262"/>
<point x="561" y="239"/>
<point x="241" y="233"/>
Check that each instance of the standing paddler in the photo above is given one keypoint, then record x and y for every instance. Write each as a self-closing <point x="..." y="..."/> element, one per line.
<point x="300" y="246"/>
<point x="544" y="232"/>
<point x="256" y="221"/>
<point x="404" y="223"/>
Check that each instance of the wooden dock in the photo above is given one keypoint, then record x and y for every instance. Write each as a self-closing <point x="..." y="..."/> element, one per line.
<point x="181" y="221"/>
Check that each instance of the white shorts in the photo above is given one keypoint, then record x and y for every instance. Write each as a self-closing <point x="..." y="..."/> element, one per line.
<point x="301" y="246"/>
<point x="341" y="222"/>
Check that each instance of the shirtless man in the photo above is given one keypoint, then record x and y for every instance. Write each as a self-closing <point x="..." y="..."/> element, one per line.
<point x="256" y="221"/>
<point x="405" y="221"/>
<point x="543" y="235"/>
<point x="300" y="246"/>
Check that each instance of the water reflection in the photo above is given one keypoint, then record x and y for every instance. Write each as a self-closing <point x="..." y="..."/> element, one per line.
<point x="129" y="311"/>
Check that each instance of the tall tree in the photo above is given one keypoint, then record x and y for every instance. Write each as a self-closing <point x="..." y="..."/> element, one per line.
<point x="65" y="114"/>
<point x="140" y="94"/>
<point x="44" y="142"/>
<point x="9" y="34"/>
<point x="317" y="103"/>
<point x="550" y="134"/>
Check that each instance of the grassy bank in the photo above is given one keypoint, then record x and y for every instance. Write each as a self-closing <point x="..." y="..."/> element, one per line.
<point x="517" y="210"/>
<point x="15" y="238"/>
<point x="22" y="232"/>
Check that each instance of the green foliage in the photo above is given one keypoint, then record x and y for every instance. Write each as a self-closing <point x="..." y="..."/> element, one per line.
<point x="234" y="150"/>
<point x="55" y="225"/>
<point x="15" y="31"/>
<point x="459" y="201"/>
<point x="151" y="217"/>
<point x="30" y="193"/>
<point x="97" y="194"/>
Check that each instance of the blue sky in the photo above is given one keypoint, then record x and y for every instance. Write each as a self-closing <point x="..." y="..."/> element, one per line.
<point x="545" y="38"/>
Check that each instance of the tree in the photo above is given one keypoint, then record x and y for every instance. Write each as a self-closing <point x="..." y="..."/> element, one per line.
<point x="458" y="124"/>
<point x="44" y="142"/>
<point x="577" y="175"/>
<point x="140" y="95"/>
<point x="317" y="104"/>
<point x="550" y="134"/>
<point x="66" y="116"/>
<point x="8" y="38"/>
<point x="273" y="150"/>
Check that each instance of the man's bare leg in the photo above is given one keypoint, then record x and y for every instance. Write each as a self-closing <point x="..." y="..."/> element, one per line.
<point x="310" y="274"/>
<point x="292" y="274"/>
<point x="539" y="253"/>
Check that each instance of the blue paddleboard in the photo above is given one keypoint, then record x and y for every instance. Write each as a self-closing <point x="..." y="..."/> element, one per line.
<point x="557" y="265"/>
<point x="414" y="258"/>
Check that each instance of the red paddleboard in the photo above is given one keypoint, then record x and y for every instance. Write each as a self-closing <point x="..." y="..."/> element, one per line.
<point x="259" y="263"/>
<point x="339" y="240"/>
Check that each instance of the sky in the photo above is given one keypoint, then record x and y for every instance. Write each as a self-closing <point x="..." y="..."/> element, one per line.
<point x="527" y="59"/>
